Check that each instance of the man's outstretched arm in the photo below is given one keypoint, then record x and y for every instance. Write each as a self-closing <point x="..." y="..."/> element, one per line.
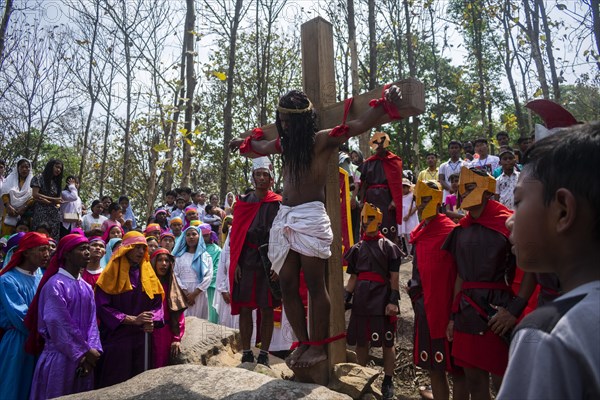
<point x="370" y="118"/>
<point x="257" y="146"/>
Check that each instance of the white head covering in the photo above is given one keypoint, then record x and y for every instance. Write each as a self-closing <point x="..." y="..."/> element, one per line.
<point x="18" y="197"/>
<point x="262" y="162"/>
<point x="226" y="204"/>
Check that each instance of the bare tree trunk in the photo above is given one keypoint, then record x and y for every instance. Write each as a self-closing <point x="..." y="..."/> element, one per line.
<point x="190" y="82"/>
<point x="227" y="117"/>
<point x="596" y="24"/>
<point x="363" y="140"/>
<point x="533" y="33"/>
<point x="438" y="106"/>
<point x="8" y="9"/>
<point x="90" y="89"/>
<point x="372" y="46"/>
<point x="549" y="51"/>
<point x="412" y="68"/>
<point x="106" y="130"/>
<point x="128" y="83"/>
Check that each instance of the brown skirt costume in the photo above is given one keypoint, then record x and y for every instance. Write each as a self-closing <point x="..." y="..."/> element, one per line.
<point x="378" y="193"/>
<point x="372" y="261"/>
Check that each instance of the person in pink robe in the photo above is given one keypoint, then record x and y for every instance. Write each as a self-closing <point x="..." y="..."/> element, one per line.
<point x="166" y="340"/>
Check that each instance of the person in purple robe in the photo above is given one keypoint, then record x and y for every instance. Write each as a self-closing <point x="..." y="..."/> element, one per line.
<point x="62" y="321"/>
<point x="129" y="299"/>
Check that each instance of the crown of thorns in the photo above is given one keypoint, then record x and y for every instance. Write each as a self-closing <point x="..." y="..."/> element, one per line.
<point x="295" y="110"/>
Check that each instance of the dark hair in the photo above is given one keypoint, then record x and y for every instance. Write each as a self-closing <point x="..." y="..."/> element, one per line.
<point x="171" y="193"/>
<point x="48" y="174"/>
<point x="501" y="133"/>
<point x="123" y="198"/>
<point x="455" y="142"/>
<point x="114" y="207"/>
<point x="194" y="194"/>
<point x="298" y="141"/>
<point x="3" y="162"/>
<point x="344" y="147"/>
<point x="454" y="176"/>
<point x="523" y="139"/>
<point x="480" y="140"/>
<point x="186" y="190"/>
<point x="67" y="180"/>
<point x="208" y="208"/>
<point x="106" y="197"/>
<point x="568" y="159"/>
<point x="430" y="153"/>
<point x="95" y="203"/>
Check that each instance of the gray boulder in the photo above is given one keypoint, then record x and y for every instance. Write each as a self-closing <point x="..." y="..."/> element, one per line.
<point x="205" y="383"/>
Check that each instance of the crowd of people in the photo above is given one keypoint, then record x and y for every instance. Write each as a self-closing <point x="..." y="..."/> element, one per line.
<point x="89" y="300"/>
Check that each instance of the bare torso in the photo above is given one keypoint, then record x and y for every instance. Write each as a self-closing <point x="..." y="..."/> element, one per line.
<point x="311" y="186"/>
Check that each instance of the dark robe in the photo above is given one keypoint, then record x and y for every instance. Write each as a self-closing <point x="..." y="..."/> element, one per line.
<point x="380" y="190"/>
<point x="123" y="345"/>
<point x="368" y="322"/>
<point x="253" y="289"/>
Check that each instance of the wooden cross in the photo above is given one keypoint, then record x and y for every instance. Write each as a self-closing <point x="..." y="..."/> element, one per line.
<point x="318" y="76"/>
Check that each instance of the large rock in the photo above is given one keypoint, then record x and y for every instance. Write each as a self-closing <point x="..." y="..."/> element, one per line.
<point x="203" y="383"/>
<point x="203" y="340"/>
<point x="352" y="379"/>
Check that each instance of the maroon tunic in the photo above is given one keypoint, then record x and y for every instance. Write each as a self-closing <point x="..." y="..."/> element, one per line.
<point x="483" y="257"/>
<point x="253" y="289"/>
<point x="372" y="176"/>
<point x="368" y="322"/>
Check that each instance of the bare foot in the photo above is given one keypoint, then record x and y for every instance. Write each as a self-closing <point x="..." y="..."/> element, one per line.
<point x="292" y="359"/>
<point x="312" y="356"/>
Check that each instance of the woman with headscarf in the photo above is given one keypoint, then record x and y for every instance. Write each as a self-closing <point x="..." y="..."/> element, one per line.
<point x="166" y="340"/>
<point x="62" y="322"/>
<point x="113" y="231"/>
<point x="112" y="246"/>
<point x="11" y="246"/>
<point x="229" y="202"/>
<point x="16" y="195"/>
<point x="210" y="240"/>
<point x="70" y="208"/>
<point x="46" y="193"/>
<point x="18" y="282"/>
<point x="193" y="270"/>
<point x="129" y="304"/>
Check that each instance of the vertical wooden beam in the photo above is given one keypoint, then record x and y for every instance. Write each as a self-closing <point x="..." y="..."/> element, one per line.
<point x="318" y="76"/>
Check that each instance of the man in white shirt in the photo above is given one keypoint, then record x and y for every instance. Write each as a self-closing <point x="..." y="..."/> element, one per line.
<point x="506" y="183"/>
<point x="451" y="167"/>
<point x="485" y="161"/>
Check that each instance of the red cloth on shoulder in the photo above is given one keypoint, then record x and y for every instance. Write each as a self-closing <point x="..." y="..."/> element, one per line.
<point x="493" y="217"/>
<point x="437" y="270"/>
<point x="243" y="215"/>
<point x="392" y="166"/>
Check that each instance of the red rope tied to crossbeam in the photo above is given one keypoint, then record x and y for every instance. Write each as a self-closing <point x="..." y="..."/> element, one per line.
<point x="389" y="108"/>
<point x="343" y="129"/>
<point x="246" y="146"/>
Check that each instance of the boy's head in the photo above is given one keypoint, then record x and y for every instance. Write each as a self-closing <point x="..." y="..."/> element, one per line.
<point x="180" y="203"/>
<point x="428" y="196"/>
<point x="170" y="197"/>
<point x="507" y="160"/>
<point x="371" y="217"/>
<point x="557" y="203"/>
<point x="474" y="187"/>
<point x="481" y="147"/>
<point x="454" y="179"/>
<point x="431" y="159"/>
<point x="502" y="138"/>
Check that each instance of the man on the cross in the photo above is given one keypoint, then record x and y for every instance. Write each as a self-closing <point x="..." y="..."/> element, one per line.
<point x="301" y="234"/>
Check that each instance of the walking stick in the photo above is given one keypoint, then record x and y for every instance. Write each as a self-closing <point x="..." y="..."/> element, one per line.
<point x="146" y="350"/>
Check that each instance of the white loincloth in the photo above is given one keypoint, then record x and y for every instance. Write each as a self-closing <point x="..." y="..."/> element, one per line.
<point x="304" y="228"/>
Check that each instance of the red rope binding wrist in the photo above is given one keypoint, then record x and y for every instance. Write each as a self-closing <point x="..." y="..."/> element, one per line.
<point x="319" y="342"/>
<point x="389" y="108"/>
<point x="246" y="146"/>
<point x="343" y="129"/>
